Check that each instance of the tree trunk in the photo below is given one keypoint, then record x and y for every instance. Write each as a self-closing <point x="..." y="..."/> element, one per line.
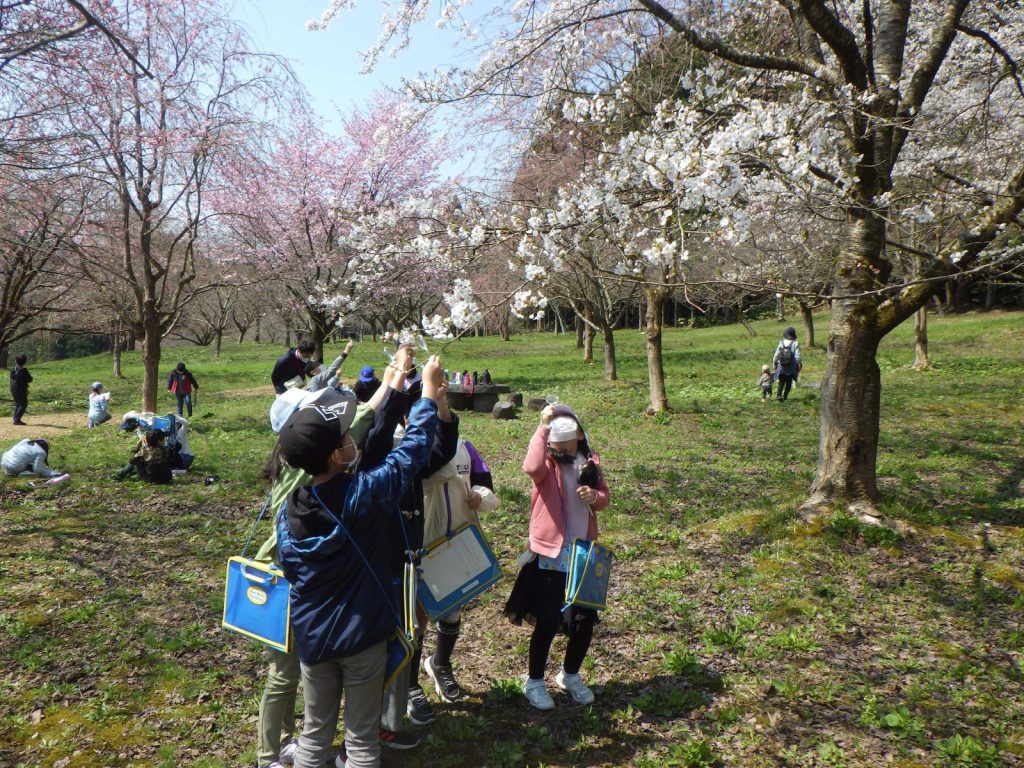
<point x="241" y="335"/>
<point x="741" y="315"/>
<point x="655" y="364"/>
<point x="588" y="344"/>
<point x="780" y="313"/>
<point x="611" y="372"/>
<point x="851" y="388"/>
<point x="579" y="337"/>
<point x="921" y="361"/>
<point x="150" y="364"/>
<point x="218" y="340"/>
<point x="808" y="316"/>
<point x="990" y="296"/>
<point x="5" y="356"/>
<point x="117" y="356"/>
<point x="256" y="331"/>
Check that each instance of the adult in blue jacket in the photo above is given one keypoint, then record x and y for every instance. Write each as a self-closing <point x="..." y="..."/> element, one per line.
<point x="333" y="540"/>
<point x="291" y="364"/>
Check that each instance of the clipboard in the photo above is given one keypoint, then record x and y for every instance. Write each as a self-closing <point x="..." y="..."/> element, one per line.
<point x="454" y="570"/>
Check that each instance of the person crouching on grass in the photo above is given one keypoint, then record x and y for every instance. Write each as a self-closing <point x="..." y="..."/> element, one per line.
<point x="568" y="488"/>
<point x="339" y="607"/>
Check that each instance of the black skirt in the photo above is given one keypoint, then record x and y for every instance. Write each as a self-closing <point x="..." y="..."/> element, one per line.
<point x="539" y="595"/>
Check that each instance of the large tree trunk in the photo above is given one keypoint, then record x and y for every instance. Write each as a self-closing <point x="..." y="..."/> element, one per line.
<point x="150" y="364"/>
<point x="808" y="316"/>
<point x="655" y="365"/>
<point x="611" y="371"/>
<point x="5" y="356"/>
<point x="921" y="361"/>
<point x="851" y="388"/>
<point x="579" y="336"/>
<point x="218" y="340"/>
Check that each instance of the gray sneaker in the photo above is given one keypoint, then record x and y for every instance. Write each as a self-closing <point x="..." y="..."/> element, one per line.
<point x="418" y="709"/>
<point x="444" y="680"/>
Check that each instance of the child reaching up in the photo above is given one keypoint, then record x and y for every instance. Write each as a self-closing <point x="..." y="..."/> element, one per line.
<point x="452" y="496"/>
<point x="568" y="488"/>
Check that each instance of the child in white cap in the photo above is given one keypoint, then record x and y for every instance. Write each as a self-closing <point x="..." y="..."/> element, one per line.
<point x="568" y="488"/>
<point x="99" y="405"/>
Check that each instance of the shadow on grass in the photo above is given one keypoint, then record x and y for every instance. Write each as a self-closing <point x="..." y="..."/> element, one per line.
<point x="626" y="721"/>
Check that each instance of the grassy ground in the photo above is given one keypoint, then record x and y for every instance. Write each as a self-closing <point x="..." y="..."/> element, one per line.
<point x="736" y="635"/>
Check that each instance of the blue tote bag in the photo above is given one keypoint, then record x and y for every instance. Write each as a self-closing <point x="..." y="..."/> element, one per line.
<point x="256" y="598"/>
<point x="590" y="568"/>
<point x="256" y="602"/>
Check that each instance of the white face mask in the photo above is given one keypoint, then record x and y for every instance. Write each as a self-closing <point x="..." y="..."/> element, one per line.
<point x="350" y="466"/>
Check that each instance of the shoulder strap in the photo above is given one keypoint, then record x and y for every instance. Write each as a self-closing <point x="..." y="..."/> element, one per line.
<point x="255" y="525"/>
<point x="359" y="552"/>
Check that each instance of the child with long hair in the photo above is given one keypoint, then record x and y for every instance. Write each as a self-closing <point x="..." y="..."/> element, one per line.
<point x="568" y="488"/>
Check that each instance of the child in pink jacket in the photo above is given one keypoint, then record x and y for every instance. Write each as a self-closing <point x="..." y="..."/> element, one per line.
<point x="568" y="488"/>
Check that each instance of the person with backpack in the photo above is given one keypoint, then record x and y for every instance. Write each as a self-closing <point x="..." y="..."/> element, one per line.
<point x="182" y="383"/>
<point x="20" y="379"/>
<point x="787" y="362"/>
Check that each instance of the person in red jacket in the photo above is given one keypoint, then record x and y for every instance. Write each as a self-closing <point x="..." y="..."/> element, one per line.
<point x="182" y="383"/>
<point x="568" y="488"/>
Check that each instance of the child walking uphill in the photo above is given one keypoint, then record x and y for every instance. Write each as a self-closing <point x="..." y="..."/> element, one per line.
<point x="765" y="382"/>
<point x="568" y="488"/>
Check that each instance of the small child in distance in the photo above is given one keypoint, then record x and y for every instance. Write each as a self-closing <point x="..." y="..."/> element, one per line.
<point x="765" y="382"/>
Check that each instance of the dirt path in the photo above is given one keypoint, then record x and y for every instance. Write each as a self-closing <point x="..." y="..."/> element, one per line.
<point x="46" y="425"/>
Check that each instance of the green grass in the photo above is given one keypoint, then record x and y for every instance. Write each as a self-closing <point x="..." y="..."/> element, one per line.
<point x="735" y="636"/>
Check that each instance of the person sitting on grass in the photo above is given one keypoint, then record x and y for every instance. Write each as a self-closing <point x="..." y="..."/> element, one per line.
<point x="333" y="542"/>
<point x="28" y="457"/>
<point x="99" y="406"/>
<point x="151" y="460"/>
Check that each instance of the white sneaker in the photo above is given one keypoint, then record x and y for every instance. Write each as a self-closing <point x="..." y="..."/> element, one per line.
<point x="537" y="694"/>
<point x="287" y="754"/>
<point x="575" y="686"/>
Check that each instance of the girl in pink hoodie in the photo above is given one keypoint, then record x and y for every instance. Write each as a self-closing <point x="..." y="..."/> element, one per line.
<point x="568" y="488"/>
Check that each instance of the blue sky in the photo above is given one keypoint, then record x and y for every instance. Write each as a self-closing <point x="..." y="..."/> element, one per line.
<point x="328" y="63"/>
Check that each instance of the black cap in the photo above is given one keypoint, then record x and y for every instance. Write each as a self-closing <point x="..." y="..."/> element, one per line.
<point x="789" y="333"/>
<point x="312" y="432"/>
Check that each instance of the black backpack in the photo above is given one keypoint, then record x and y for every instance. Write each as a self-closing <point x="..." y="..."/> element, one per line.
<point x="786" y="355"/>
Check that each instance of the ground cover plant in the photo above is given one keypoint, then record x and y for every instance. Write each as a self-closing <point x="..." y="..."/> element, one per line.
<point x="736" y="635"/>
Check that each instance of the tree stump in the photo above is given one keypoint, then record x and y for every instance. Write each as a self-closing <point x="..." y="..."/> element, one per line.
<point x="536" y="403"/>
<point x="516" y="398"/>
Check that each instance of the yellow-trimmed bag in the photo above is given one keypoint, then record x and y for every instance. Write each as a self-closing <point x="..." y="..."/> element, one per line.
<point x="455" y="569"/>
<point x="590" y="568"/>
<point x="256" y="602"/>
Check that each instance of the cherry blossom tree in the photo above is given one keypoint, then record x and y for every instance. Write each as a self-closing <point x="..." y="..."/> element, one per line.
<point x="39" y="219"/>
<point x="862" y="107"/>
<point x="333" y="218"/>
<point x="150" y="131"/>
